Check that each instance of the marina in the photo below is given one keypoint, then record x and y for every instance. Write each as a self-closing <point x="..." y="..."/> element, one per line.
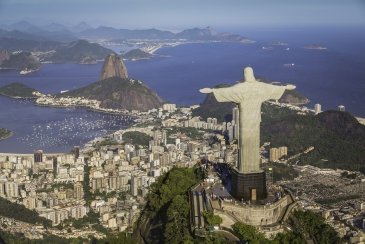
<point x="54" y="130"/>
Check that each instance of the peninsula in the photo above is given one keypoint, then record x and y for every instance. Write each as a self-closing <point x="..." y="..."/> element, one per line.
<point x="115" y="92"/>
<point x="136" y="54"/>
<point x="18" y="90"/>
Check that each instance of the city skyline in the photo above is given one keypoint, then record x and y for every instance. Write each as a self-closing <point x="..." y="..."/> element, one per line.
<point x="177" y="15"/>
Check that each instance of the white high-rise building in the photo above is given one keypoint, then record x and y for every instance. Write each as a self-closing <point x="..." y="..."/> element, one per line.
<point x="2" y="189"/>
<point x="11" y="189"/>
<point x="169" y="107"/>
<point x="177" y="141"/>
<point x="274" y="154"/>
<point x="277" y="153"/>
<point x="230" y="129"/>
<point x="214" y="121"/>
<point x="317" y="108"/>
<point x="224" y="126"/>
<point x="235" y="115"/>
<point x="235" y="122"/>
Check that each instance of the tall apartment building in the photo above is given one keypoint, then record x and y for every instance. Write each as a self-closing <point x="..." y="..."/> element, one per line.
<point x="317" y="108"/>
<point x="78" y="191"/>
<point x="11" y="189"/>
<point x="277" y="153"/>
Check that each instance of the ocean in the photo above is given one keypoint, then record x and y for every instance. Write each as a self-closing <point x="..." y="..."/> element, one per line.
<point x="331" y="77"/>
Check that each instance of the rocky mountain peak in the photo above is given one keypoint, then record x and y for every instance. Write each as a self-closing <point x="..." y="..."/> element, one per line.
<point x="113" y="67"/>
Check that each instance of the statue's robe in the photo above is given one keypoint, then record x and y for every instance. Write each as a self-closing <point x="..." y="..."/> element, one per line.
<point x="249" y="95"/>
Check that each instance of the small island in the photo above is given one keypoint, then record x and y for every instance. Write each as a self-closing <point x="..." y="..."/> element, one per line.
<point x="5" y="134"/>
<point x="316" y="47"/>
<point x="18" y="90"/>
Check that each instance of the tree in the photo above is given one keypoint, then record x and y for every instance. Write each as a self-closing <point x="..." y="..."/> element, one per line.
<point x="289" y="237"/>
<point x="311" y="225"/>
<point x="136" y="137"/>
<point x="178" y="219"/>
<point x="248" y="233"/>
<point x="212" y="219"/>
<point x="168" y="205"/>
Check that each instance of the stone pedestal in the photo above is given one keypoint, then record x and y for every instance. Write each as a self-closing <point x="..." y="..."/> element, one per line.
<point x="249" y="186"/>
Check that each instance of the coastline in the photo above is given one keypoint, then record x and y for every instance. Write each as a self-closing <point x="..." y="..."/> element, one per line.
<point x="154" y="48"/>
<point x="16" y="97"/>
<point x="88" y="108"/>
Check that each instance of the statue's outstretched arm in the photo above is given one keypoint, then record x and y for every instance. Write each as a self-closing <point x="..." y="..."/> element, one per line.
<point x="224" y="94"/>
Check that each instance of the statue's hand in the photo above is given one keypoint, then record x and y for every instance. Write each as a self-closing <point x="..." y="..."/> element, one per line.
<point x="206" y="90"/>
<point x="290" y="87"/>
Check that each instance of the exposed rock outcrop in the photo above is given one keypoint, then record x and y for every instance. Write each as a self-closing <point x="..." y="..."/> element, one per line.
<point x="113" y="67"/>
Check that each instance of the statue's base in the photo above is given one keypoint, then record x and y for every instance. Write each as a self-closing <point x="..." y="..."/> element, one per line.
<point x="248" y="186"/>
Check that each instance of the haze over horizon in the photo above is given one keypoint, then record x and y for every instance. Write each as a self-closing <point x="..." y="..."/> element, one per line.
<point x="177" y="15"/>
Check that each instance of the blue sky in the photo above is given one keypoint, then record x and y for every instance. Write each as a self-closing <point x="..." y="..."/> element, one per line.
<point x="170" y="14"/>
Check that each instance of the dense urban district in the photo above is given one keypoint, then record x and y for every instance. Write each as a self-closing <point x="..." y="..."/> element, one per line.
<point x="136" y="185"/>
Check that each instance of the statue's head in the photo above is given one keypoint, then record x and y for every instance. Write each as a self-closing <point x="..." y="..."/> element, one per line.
<point x="248" y="74"/>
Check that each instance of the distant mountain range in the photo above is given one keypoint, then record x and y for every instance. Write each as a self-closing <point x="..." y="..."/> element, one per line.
<point x="61" y="33"/>
<point x="195" y="34"/>
<point x="79" y="51"/>
<point x="83" y="44"/>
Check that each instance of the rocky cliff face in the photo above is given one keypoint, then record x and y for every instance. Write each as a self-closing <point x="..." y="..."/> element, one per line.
<point x="113" y="67"/>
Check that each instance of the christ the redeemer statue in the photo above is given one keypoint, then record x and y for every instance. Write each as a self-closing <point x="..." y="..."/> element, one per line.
<point x="249" y="95"/>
